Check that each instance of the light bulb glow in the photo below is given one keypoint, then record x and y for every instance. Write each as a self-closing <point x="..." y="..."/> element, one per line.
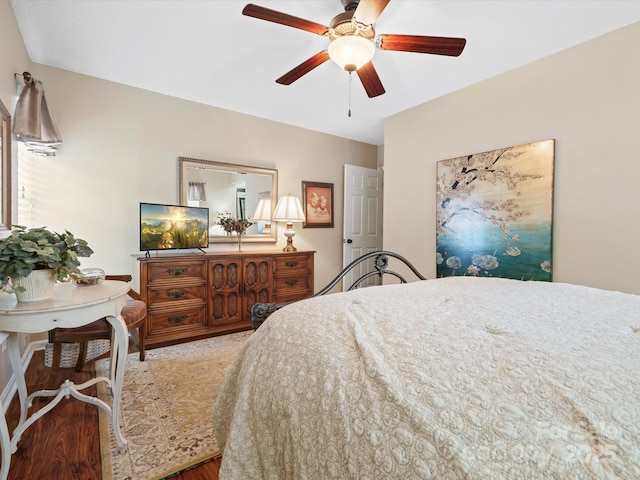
<point x="351" y="52"/>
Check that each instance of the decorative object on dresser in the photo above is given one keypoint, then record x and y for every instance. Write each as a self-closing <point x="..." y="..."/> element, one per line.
<point x="289" y="210"/>
<point x="202" y="295"/>
<point x="38" y="250"/>
<point x="231" y="224"/>
<point x="317" y="199"/>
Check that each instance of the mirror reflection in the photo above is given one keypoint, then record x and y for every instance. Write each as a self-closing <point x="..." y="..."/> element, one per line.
<point x="229" y="188"/>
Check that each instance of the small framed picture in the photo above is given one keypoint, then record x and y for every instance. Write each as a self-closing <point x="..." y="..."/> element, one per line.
<point x="317" y="199"/>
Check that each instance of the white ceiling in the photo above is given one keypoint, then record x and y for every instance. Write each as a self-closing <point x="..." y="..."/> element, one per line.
<point x="208" y="52"/>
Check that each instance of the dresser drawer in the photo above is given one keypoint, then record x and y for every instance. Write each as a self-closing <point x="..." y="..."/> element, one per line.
<point x="158" y="296"/>
<point x="176" y="272"/>
<point x="293" y="265"/>
<point x="291" y="296"/>
<point x="160" y="322"/>
<point x="292" y="287"/>
<point x="292" y="282"/>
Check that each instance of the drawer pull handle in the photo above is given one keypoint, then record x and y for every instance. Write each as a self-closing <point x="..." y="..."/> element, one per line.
<point x="292" y="263"/>
<point x="177" y="271"/>
<point x="177" y="318"/>
<point x="176" y="294"/>
<point x="291" y="282"/>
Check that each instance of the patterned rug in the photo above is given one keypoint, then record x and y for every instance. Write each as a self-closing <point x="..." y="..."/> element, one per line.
<point x="166" y="408"/>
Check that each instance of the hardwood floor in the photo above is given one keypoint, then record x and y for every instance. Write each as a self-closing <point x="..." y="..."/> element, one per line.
<point x="64" y="444"/>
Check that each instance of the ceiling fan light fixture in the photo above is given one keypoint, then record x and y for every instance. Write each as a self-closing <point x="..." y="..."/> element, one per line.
<point x="351" y="51"/>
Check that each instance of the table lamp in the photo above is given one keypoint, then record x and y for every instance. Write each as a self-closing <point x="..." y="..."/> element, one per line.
<point x="289" y="210"/>
<point x="263" y="213"/>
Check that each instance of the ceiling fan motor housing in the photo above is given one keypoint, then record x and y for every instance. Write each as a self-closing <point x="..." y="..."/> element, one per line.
<point x="351" y="45"/>
<point x="343" y="24"/>
<point x="350" y="5"/>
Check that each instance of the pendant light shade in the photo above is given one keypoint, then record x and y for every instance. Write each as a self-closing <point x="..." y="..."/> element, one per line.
<point x="351" y="51"/>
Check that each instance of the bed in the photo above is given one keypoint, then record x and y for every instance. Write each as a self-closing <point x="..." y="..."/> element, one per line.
<point x="453" y="378"/>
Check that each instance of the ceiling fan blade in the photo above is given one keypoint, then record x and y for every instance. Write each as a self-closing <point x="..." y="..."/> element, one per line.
<point x="269" y="15"/>
<point x="368" y="11"/>
<point x="304" y="68"/>
<point x="370" y="80"/>
<point x="422" y="44"/>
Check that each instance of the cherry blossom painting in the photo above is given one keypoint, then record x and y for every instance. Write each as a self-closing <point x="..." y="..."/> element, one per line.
<point x="495" y="212"/>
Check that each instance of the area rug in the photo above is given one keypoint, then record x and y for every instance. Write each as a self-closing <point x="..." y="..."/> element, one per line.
<point x="166" y="408"/>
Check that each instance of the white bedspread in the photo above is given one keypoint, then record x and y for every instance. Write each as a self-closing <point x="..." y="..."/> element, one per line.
<point x="455" y="378"/>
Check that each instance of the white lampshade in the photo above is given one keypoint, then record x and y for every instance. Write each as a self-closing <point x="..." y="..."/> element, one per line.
<point x="289" y="210"/>
<point x="351" y="51"/>
<point x="263" y="210"/>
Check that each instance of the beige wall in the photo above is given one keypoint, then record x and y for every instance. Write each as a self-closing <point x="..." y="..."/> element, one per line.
<point x="588" y="99"/>
<point x="13" y="59"/>
<point x="121" y="147"/>
<point x="13" y="54"/>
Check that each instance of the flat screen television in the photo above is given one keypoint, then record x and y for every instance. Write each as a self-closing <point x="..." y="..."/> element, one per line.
<point x="171" y="227"/>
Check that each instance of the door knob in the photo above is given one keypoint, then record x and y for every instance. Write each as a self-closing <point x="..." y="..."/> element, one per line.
<point x="349" y="240"/>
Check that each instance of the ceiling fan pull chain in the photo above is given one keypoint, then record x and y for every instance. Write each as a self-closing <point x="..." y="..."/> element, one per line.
<point x="350" y="76"/>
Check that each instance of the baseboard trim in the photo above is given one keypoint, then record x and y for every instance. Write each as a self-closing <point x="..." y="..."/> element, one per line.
<point x="11" y="388"/>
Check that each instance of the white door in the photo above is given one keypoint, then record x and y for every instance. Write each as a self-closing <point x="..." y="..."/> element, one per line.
<point x="362" y="218"/>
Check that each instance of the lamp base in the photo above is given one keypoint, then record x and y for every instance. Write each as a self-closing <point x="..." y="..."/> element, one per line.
<point x="289" y="233"/>
<point x="267" y="229"/>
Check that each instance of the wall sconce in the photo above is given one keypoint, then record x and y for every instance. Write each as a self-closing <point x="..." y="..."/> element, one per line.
<point x="289" y="210"/>
<point x="32" y="123"/>
<point x="263" y="213"/>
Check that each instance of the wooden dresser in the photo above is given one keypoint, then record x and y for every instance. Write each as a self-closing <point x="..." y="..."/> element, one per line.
<point x="201" y="295"/>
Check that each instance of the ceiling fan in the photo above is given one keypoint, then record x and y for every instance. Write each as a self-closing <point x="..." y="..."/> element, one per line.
<point x="353" y="41"/>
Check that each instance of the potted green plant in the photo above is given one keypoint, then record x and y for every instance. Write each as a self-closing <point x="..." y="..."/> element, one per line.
<point x="26" y="251"/>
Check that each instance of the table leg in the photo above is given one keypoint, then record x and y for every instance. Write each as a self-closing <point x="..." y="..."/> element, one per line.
<point x="16" y="367"/>
<point x="119" y="350"/>
<point x="5" y="442"/>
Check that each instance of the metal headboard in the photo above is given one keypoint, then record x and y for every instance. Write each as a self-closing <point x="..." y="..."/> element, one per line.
<point x="260" y="311"/>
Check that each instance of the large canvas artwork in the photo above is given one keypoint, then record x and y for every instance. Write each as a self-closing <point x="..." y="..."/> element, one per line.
<point x="494" y="213"/>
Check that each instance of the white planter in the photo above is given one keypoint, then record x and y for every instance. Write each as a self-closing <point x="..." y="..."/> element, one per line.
<point x="38" y="285"/>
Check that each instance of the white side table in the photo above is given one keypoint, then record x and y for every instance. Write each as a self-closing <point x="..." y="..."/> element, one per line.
<point x="70" y="307"/>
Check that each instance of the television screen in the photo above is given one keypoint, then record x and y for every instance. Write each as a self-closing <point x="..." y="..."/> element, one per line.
<point x="166" y="227"/>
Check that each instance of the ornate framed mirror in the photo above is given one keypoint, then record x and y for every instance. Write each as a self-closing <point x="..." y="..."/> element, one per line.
<point x="5" y="168"/>
<point x="228" y="188"/>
